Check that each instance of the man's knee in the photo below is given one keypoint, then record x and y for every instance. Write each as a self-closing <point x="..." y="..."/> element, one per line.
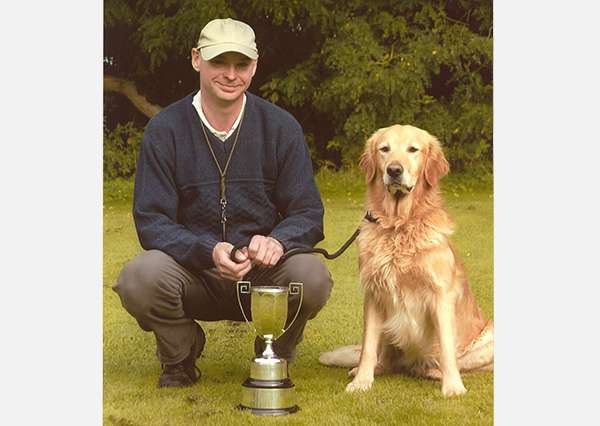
<point x="142" y="281"/>
<point x="315" y="277"/>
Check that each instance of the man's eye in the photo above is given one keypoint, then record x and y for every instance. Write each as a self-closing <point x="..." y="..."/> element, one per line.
<point x="385" y="148"/>
<point x="412" y="149"/>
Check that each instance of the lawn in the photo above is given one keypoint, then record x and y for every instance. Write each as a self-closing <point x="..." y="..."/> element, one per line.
<point x="131" y="369"/>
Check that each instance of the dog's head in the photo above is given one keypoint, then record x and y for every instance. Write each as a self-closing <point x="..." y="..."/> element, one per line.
<point x="401" y="156"/>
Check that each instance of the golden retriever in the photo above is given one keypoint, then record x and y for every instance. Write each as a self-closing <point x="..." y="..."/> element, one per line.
<point x="420" y="316"/>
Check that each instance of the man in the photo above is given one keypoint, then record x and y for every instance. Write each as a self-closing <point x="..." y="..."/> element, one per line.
<point x="218" y="168"/>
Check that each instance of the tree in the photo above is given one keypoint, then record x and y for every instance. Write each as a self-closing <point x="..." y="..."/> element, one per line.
<point x="343" y="69"/>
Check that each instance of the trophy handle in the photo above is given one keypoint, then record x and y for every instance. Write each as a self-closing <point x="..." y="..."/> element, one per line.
<point x="296" y="288"/>
<point x="243" y="287"/>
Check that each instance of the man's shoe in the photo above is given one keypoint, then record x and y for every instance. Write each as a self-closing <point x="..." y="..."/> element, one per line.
<point x="182" y="374"/>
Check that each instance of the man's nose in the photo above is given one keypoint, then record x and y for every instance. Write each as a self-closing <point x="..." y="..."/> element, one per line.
<point x="394" y="170"/>
<point x="230" y="72"/>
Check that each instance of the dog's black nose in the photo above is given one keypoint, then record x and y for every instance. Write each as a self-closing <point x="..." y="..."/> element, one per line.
<point x="394" y="170"/>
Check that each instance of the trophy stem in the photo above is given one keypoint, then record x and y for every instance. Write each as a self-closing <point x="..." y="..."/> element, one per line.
<point x="268" y="352"/>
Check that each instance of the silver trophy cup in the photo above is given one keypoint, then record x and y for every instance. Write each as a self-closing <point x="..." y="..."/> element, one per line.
<point x="269" y="390"/>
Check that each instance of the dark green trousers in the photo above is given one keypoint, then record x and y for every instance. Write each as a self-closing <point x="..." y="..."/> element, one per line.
<point x="166" y="298"/>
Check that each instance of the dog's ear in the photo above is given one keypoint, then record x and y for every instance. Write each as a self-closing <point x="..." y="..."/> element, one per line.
<point x="367" y="159"/>
<point x="367" y="164"/>
<point x="436" y="165"/>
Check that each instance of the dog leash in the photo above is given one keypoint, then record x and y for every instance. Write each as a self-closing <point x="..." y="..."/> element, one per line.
<point x="368" y="216"/>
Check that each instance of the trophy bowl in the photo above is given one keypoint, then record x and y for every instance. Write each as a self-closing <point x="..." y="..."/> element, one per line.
<point x="269" y="307"/>
<point x="268" y="390"/>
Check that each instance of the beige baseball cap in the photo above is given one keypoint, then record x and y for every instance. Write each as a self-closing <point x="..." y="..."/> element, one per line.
<point x="226" y="35"/>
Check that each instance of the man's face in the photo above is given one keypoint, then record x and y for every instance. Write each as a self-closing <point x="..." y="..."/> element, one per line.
<point x="225" y="77"/>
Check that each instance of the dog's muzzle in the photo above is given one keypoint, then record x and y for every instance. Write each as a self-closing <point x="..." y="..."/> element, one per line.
<point x="395" y="180"/>
<point x="399" y="189"/>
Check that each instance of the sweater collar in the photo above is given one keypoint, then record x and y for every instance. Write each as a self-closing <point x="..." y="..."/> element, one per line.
<point x="221" y="135"/>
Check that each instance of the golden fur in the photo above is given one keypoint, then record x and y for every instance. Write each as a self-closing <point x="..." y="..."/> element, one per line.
<point x="420" y="316"/>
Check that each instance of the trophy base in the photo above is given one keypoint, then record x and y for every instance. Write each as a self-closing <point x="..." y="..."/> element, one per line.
<point x="269" y="411"/>
<point x="268" y="397"/>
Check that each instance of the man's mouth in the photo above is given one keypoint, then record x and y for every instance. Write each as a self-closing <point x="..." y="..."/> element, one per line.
<point x="227" y="87"/>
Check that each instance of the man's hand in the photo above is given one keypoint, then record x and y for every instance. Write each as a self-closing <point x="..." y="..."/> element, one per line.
<point x="227" y="267"/>
<point x="265" y="251"/>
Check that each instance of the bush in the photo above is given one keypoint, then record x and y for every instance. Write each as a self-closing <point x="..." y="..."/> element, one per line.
<point x="121" y="148"/>
<point x="343" y="69"/>
<point x="408" y="64"/>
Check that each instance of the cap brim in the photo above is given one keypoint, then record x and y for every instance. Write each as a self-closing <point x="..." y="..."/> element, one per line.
<point x="210" y="52"/>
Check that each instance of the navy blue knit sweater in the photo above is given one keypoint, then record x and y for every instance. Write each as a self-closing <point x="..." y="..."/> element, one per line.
<point x="270" y="184"/>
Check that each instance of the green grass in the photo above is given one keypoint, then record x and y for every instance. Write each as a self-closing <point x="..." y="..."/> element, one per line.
<point x="131" y="368"/>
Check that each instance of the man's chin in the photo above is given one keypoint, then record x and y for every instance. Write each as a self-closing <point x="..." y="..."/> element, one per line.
<point x="230" y="96"/>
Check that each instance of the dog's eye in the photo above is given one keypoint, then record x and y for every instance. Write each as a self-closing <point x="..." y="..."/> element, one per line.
<point x="412" y="149"/>
<point x="385" y="148"/>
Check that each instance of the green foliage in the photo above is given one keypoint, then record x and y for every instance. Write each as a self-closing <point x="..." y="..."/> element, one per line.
<point x="118" y="189"/>
<point x="161" y="29"/>
<point x="121" y="148"/>
<point x="411" y="63"/>
<point x="343" y="69"/>
<point x="161" y="35"/>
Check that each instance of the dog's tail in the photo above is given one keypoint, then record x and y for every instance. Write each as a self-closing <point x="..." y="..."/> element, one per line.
<point x="346" y="356"/>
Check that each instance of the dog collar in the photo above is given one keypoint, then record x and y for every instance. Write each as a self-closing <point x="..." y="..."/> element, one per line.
<point x="371" y="218"/>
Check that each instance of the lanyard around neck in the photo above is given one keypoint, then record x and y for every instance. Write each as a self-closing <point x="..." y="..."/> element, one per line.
<point x="222" y="174"/>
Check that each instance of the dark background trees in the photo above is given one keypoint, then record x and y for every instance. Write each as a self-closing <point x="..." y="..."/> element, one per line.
<point x="343" y="69"/>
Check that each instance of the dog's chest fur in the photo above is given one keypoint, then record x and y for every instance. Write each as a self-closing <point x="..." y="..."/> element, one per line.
<point x="393" y="276"/>
<point x="388" y="256"/>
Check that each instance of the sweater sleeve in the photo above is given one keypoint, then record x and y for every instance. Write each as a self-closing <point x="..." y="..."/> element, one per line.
<point x="296" y="196"/>
<point x="156" y="201"/>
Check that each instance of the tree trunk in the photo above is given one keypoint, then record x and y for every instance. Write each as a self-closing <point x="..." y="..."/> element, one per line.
<point x="128" y="89"/>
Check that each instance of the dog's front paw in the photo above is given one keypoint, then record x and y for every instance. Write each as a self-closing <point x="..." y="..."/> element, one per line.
<point x="379" y="370"/>
<point x="453" y="387"/>
<point x="360" y="383"/>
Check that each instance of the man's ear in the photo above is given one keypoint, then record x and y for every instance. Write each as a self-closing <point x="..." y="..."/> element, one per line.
<point x="196" y="59"/>
<point x="255" y="61"/>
